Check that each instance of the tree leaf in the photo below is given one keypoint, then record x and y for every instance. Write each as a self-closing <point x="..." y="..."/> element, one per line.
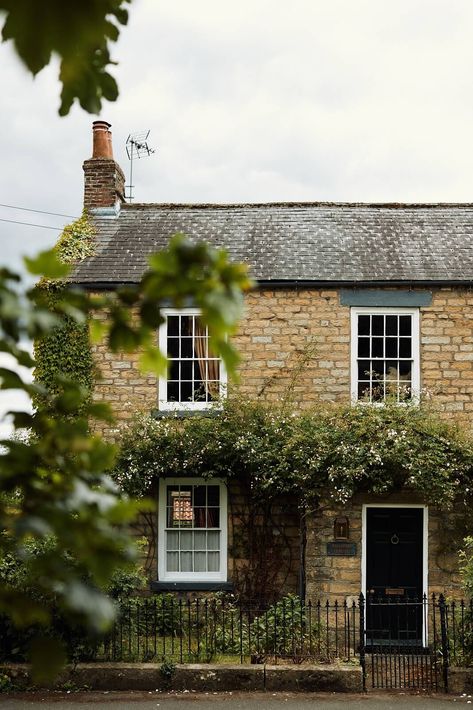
<point x="46" y="264"/>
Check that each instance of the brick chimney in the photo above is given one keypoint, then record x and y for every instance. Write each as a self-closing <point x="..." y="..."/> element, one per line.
<point x="104" y="181"/>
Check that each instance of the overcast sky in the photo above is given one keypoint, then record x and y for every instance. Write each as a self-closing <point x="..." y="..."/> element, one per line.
<point x="256" y="100"/>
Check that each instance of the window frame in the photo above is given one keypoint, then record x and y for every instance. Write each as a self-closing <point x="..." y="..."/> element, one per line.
<point x="163" y="404"/>
<point x="163" y="574"/>
<point x="356" y="311"/>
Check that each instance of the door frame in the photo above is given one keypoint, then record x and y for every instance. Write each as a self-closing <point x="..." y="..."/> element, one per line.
<point x="425" y="549"/>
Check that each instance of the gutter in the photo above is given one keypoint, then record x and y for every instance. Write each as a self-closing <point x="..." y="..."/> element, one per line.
<point x="302" y="284"/>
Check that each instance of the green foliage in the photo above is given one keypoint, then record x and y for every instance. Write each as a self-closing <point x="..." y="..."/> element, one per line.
<point x="65" y="349"/>
<point x="77" y="241"/>
<point x="56" y="476"/>
<point x="65" y="634"/>
<point x="284" y="629"/>
<point x="6" y="684"/>
<point x="167" y="669"/>
<point x="319" y="454"/>
<point x="466" y="566"/>
<point x="79" y="34"/>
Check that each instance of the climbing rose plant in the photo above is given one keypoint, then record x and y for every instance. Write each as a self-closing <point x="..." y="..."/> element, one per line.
<point x="320" y="454"/>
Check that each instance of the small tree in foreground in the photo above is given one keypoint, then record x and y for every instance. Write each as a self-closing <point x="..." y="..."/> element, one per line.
<point x="52" y="484"/>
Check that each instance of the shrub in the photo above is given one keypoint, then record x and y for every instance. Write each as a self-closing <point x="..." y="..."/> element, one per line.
<point x="284" y="630"/>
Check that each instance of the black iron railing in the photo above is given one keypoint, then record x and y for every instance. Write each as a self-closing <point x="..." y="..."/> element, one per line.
<point x="383" y="634"/>
<point x="202" y="630"/>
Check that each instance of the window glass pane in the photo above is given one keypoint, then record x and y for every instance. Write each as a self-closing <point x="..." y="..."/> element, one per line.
<point x="377" y="370"/>
<point x="200" y="494"/>
<point x="391" y="370"/>
<point x="173" y="347"/>
<point x="172" y="561"/>
<point x="364" y="370"/>
<point x="199" y="392"/>
<point x="186" y="325"/>
<point x="186" y="540"/>
<point x="213" y="518"/>
<point x="181" y="509"/>
<point x="200" y="540"/>
<point x="363" y="347"/>
<point x="378" y="391"/>
<point x="405" y="347"/>
<point x="364" y="391"/>
<point x="200" y="518"/>
<point x="200" y="562"/>
<point x="186" y="370"/>
<point x="187" y="349"/>
<point x="391" y="325"/>
<point x="405" y="368"/>
<point x="377" y="325"/>
<point x="186" y="392"/>
<point x="405" y="325"/>
<point x="201" y="347"/>
<point x="172" y="540"/>
<point x="173" y="325"/>
<point x="213" y="370"/>
<point x="174" y="370"/>
<point x="213" y="540"/>
<point x="186" y="562"/>
<point x="214" y="561"/>
<point x="391" y="347"/>
<point x="377" y="347"/>
<point x="363" y="325"/>
<point x="213" y="495"/>
<point x="173" y="392"/>
<point x="405" y="391"/>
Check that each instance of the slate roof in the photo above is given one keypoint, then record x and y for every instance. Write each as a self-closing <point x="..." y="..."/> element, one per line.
<point x="320" y="242"/>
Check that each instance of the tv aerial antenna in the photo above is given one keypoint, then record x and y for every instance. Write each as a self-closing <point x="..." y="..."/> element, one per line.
<point x="136" y="147"/>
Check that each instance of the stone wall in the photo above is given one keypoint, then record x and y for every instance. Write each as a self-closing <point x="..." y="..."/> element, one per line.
<point x="340" y="577"/>
<point x="296" y="344"/>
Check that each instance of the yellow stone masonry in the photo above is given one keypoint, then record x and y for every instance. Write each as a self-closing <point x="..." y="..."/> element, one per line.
<point x="298" y="341"/>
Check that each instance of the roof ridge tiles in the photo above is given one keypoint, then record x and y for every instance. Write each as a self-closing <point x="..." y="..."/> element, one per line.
<point x="255" y="205"/>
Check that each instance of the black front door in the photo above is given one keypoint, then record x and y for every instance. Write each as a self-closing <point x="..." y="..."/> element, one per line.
<point x="394" y="572"/>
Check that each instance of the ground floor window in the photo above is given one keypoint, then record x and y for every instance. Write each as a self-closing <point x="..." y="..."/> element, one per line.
<point x="192" y="531"/>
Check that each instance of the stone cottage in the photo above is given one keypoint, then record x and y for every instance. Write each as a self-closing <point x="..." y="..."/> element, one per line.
<point x="385" y="290"/>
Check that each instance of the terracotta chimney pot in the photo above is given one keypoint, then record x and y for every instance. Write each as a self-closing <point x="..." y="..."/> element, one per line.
<point x="102" y="140"/>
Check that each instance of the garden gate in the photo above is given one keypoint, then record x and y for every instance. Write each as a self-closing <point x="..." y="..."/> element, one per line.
<point x="404" y="643"/>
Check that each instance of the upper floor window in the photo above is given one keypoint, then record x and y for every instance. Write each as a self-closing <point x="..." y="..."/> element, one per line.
<point x="192" y="536"/>
<point x="196" y="377"/>
<point x="385" y="354"/>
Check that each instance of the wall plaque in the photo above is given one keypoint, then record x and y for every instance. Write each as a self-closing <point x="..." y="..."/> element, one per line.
<point x="341" y="548"/>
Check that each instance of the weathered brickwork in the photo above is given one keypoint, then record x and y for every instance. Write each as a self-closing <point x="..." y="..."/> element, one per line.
<point x="104" y="183"/>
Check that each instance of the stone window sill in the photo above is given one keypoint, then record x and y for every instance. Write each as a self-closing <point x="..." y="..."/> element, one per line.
<point x="157" y="586"/>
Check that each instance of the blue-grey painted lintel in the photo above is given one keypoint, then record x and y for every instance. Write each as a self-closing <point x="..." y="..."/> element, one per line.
<point x="383" y="298"/>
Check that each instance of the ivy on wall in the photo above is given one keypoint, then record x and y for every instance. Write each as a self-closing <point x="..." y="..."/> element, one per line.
<point x="66" y="350"/>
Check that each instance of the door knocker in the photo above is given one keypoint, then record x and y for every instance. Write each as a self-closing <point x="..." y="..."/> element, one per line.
<point x="395" y="540"/>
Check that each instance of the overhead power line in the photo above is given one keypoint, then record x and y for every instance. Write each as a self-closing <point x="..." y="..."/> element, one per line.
<point x="30" y="224"/>
<point x="28" y="209"/>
